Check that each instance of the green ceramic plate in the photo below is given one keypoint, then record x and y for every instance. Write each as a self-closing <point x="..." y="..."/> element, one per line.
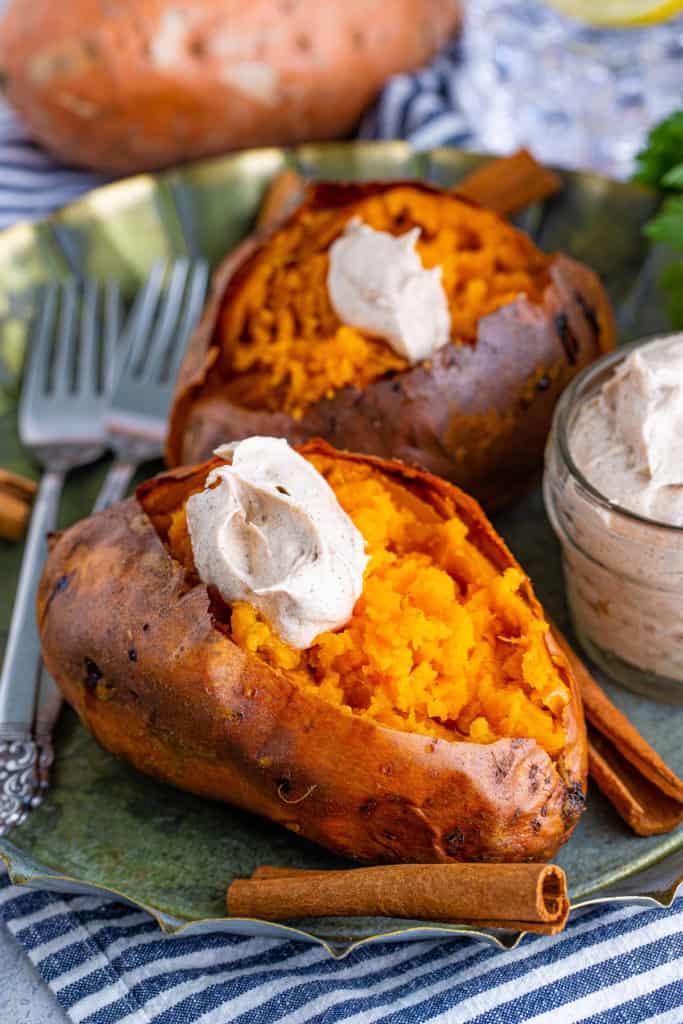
<point x="103" y="826"/>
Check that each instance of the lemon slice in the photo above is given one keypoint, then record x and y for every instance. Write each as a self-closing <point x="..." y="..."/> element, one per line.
<point x="617" y="13"/>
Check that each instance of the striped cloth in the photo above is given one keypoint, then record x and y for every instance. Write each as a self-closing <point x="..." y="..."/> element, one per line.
<point x="106" y="962"/>
<point x="32" y="183"/>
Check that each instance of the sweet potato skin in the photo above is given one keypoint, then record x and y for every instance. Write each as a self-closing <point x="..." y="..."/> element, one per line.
<point x="143" y="84"/>
<point x="478" y="416"/>
<point x="138" y="655"/>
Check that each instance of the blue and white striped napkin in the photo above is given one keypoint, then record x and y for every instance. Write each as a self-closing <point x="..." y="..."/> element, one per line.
<point x="106" y="962"/>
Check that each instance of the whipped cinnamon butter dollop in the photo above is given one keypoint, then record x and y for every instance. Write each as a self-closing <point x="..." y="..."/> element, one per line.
<point x="627" y="439"/>
<point x="268" y="529"/>
<point x="377" y="283"/>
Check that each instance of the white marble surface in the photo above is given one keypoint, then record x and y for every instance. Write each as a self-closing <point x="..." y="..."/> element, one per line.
<point x="24" y="997"/>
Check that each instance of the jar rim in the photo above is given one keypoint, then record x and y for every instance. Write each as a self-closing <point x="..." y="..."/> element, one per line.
<point x="563" y="410"/>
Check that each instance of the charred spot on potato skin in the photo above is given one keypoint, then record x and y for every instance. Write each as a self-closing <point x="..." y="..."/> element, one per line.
<point x="574" y="801"/>
<point x="368" y="808"/>
<point x="95" y="683"/>
<point x="92" y="675"/>
<point x="589" y="313"/>
<point x="455" y="839"/>
<point x="145" y="628"/>
<point x="567" y="337"/>
<point x="391" y="836"/>
<point x="132" y="654"/>
<point x="543" y="383"/>
<point x="502" y="768"/>
<point x="60" y="586"/>
<point x="533" y="777"/>
<point x="284" y="785"/>
<point x="536" y="824"/>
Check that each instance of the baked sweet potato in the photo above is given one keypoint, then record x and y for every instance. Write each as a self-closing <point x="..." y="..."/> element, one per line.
<point x="142" y="84"/>
<point x="271" y="357"/>
<point x="442" y="723"/>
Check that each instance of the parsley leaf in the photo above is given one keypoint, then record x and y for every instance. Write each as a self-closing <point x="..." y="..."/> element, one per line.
<point x="664" y="152"/>
<point x="667" y="226"/>
<point x="661" y="164"/>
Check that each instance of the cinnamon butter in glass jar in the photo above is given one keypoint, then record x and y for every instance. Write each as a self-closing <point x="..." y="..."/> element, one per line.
<point x="613" y="489"/>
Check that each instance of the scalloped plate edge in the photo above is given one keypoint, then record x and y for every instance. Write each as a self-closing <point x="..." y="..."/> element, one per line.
<point x="171" y="925"/>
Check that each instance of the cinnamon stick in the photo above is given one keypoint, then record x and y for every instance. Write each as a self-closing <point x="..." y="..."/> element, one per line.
<point x="641" y="787"/>
<point x="510" y="183"/>
<point x="16" y="494"/>
<point x="527" y="897"/>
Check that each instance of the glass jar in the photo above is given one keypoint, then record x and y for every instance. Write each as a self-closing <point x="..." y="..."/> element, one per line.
<point x="623" y="573"/>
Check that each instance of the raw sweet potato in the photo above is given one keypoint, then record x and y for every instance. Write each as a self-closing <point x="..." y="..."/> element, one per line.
<point x="142" y="84"/>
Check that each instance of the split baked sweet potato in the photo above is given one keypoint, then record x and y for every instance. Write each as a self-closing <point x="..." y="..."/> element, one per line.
<point x="441" y="723"/>
<point x="271" y="357"/>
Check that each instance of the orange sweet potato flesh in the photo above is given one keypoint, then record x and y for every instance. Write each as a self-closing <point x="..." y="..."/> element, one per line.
<point x="138" y="649"/>
<point x="477" y="413"/>
<point x="141" y="84"/>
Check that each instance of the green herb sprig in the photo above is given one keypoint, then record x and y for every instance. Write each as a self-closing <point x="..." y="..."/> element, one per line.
<point x="661" y="164"/>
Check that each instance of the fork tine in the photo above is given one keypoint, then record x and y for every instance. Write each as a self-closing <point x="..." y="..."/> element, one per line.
<point x="151" y="370"/>
<point x="86" y="375"/>
<point x="113" y="339"/>
<point x="65" y="354"/>
<point x="36" y="373"/>
<point x="193" y="307"/>
<point x="131" y="351"/>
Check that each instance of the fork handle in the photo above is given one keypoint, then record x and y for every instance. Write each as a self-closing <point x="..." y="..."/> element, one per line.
<point x="115" y="484"/>
<point x="21" y="667"/>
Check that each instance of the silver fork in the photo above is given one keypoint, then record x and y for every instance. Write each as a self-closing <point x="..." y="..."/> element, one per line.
<point x="146" y="367"/>
<point x="61" y="421"/>
<point x="143" y="366"/>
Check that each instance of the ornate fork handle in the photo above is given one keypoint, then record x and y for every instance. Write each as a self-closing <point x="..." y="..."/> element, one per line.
<point x="26" y="759"/>
<point x="19" y="792"/>
<point x="19" y="754"/>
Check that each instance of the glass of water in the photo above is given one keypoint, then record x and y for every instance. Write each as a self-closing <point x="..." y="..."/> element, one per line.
<point x="577" y="95"/>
